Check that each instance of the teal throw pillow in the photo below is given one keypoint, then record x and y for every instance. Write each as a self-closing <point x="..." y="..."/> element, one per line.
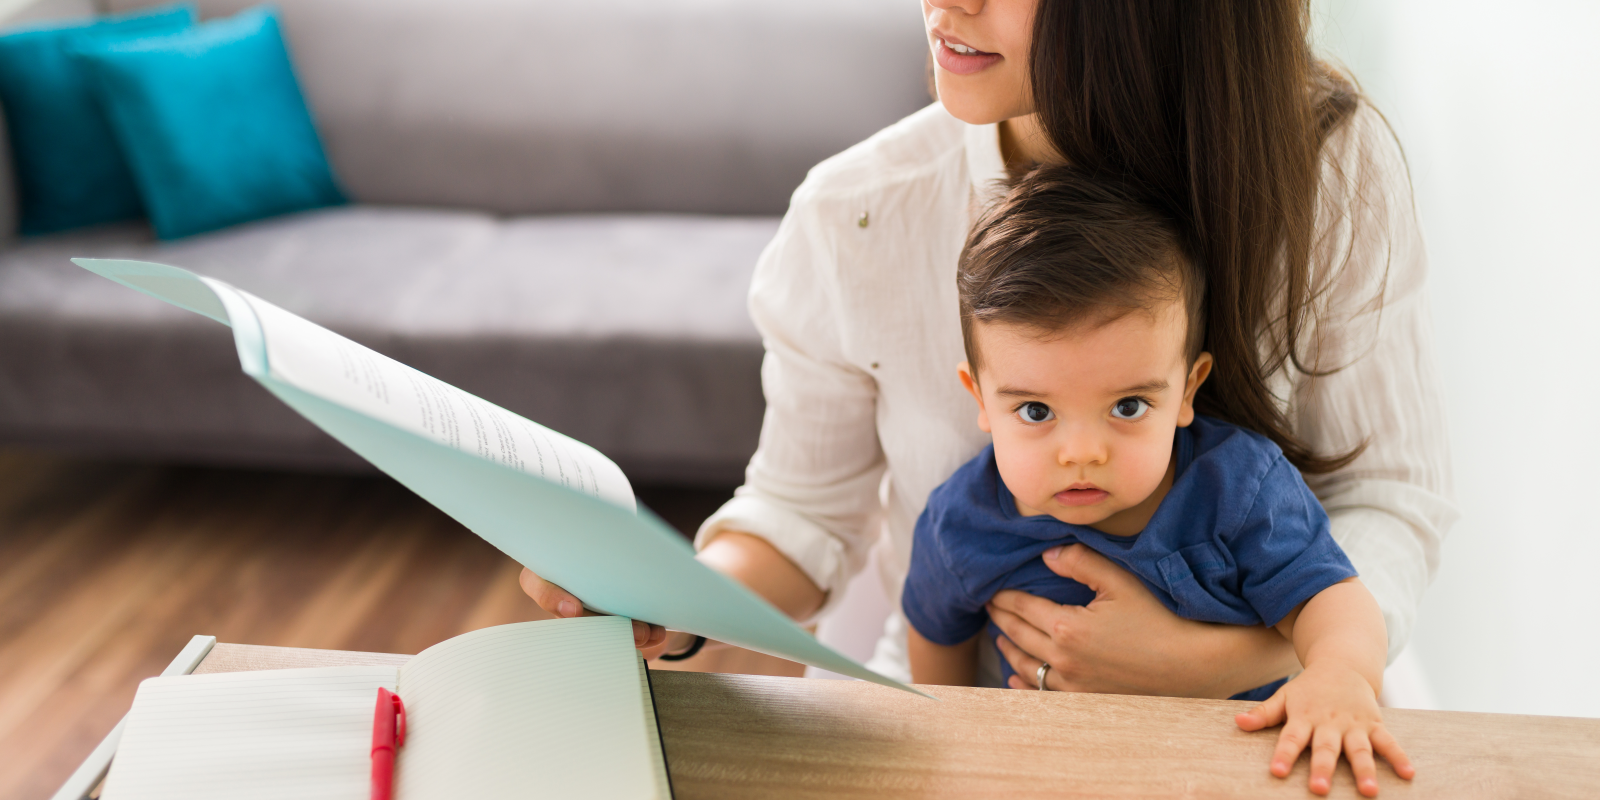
<point x="213" y="124"/>
<point x="68" y="169"/>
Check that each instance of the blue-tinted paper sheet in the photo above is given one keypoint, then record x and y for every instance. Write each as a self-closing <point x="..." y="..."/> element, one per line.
<point x="552" y="503"/>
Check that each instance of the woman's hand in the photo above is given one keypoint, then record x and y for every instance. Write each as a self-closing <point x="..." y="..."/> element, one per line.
<point x="1126" y="642"/>
<point x="652" y="640"/>
<point x="747" y="559"/>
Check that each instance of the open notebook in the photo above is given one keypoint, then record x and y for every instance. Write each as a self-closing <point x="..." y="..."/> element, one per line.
<point x="549" y="501"/>
<point x="557" y="708"/>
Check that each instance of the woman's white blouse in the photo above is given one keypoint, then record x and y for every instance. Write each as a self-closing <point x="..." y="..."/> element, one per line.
<point x="855" y="299"/>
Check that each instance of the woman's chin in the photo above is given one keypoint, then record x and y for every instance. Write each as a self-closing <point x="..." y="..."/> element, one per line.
<point x="968" y="102"/>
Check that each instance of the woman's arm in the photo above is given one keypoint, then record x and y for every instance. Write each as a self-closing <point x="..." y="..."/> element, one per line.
<point x="801" y="525"/>
<point x="754" y="562"/>
<point x="811" y="489"/>
<point x="747" y="559"/>
<point x="1391" y="507"/>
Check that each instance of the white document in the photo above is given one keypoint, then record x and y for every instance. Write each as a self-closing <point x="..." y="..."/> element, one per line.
<point x="555" y="708"/>
<point x="551" y="502"/>
<point x="307" y="355"/>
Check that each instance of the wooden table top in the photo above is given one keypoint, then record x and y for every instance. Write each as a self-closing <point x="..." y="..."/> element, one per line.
<point x="737" y="736"/>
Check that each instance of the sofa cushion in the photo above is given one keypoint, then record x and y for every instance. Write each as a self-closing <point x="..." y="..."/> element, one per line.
<point x="627" y="332"/>
<point x="69" y="171"/>
<point x="212" y="123"/>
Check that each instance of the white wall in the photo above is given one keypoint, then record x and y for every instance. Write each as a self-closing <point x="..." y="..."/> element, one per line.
<point x="1498" y="108"/>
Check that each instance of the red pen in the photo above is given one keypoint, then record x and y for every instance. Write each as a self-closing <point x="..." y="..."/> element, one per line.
<point x="388" y="733"/>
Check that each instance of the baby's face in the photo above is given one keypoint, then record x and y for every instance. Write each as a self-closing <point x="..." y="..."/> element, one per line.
<point x="1083" y="419"/>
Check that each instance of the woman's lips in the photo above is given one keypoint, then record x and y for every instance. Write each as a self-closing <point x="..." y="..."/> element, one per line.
<point x="962" y="63"/>
<point x="1081" y="497"/>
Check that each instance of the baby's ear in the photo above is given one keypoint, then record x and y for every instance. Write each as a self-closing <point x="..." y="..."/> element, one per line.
<point x="970" y="380"/>
<point x="1197" y="375"/>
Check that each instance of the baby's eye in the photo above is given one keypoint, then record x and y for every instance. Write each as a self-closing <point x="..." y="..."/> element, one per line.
<point x="1035" y="413"/>
<point x="1129" y="408"/>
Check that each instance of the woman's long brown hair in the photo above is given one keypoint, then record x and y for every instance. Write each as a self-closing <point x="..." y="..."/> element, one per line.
<point x="1218" y="110"/>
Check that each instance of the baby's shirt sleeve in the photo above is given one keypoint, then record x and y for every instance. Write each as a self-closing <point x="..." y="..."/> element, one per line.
<point x="1283" y="547"/>
<point x="934" y="599"/>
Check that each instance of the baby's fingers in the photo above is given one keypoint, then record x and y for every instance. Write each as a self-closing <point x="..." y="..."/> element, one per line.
<point x="1325" y="746"/>
<point x="1385" y="745"/>
<point x="1358" y="751"/>
<point x="1269" y="713"/>
<point x="1291" y="741"/>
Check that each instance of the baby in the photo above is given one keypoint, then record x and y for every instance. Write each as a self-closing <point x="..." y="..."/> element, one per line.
<point x="1083" y="319"/>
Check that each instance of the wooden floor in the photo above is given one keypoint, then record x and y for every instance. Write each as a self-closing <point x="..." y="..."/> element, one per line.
<point x="107" y="569"/>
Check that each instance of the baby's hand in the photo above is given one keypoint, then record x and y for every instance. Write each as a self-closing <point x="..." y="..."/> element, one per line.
<point x="1329" y="707"/>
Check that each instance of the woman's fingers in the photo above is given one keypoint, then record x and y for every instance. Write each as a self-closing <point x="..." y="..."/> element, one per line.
<point x="558" y="601"/>
<point x="1028" y="642"/>
<point x="1385" y="745"/>
<point x="1024" y="665"/>
<point x="660" y="641"/>
<point x="1085" y="566"/>
<point x="1325" y="746"/>
<point x="1294" y="738"/>
<point x="550" y="597"/>
<point x="1027" y="606"/>
<point x="1027" y="669"/>
<point x="1268" y="713"/>
<point x="646" y="635"/>
<point x="1358" y="751"/>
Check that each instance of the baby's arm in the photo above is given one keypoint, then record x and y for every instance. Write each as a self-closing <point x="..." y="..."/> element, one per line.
<point x="1333" y="705"/>
<point x="945" y="665"/>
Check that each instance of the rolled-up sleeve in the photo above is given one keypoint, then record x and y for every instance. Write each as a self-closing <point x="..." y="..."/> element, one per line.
<point x="811" y="489"/>
<point x="1391" y="507"/>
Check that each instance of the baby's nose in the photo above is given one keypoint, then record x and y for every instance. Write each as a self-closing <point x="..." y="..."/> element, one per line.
<point x="1081" y="445"/>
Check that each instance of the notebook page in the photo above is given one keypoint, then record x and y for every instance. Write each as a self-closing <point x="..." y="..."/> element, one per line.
<point x="317" y="360"/>
<point x="536" y="709"/>
<point x="302" y="733"/>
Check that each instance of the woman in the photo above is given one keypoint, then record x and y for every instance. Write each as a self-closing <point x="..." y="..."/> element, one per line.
<point x="1299" y="204"/>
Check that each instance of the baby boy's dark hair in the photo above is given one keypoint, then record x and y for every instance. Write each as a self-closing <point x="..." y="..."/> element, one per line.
<point x="1062" y="249"/>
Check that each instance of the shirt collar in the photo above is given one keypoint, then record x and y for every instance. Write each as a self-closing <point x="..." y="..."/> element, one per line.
<point x="984" y="162"/>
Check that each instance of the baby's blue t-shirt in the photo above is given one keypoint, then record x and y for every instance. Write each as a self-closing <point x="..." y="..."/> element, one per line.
<point x="1239" y="539"/>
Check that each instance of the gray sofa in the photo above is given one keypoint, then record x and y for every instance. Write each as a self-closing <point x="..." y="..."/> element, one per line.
<point x="556" y="206"/>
